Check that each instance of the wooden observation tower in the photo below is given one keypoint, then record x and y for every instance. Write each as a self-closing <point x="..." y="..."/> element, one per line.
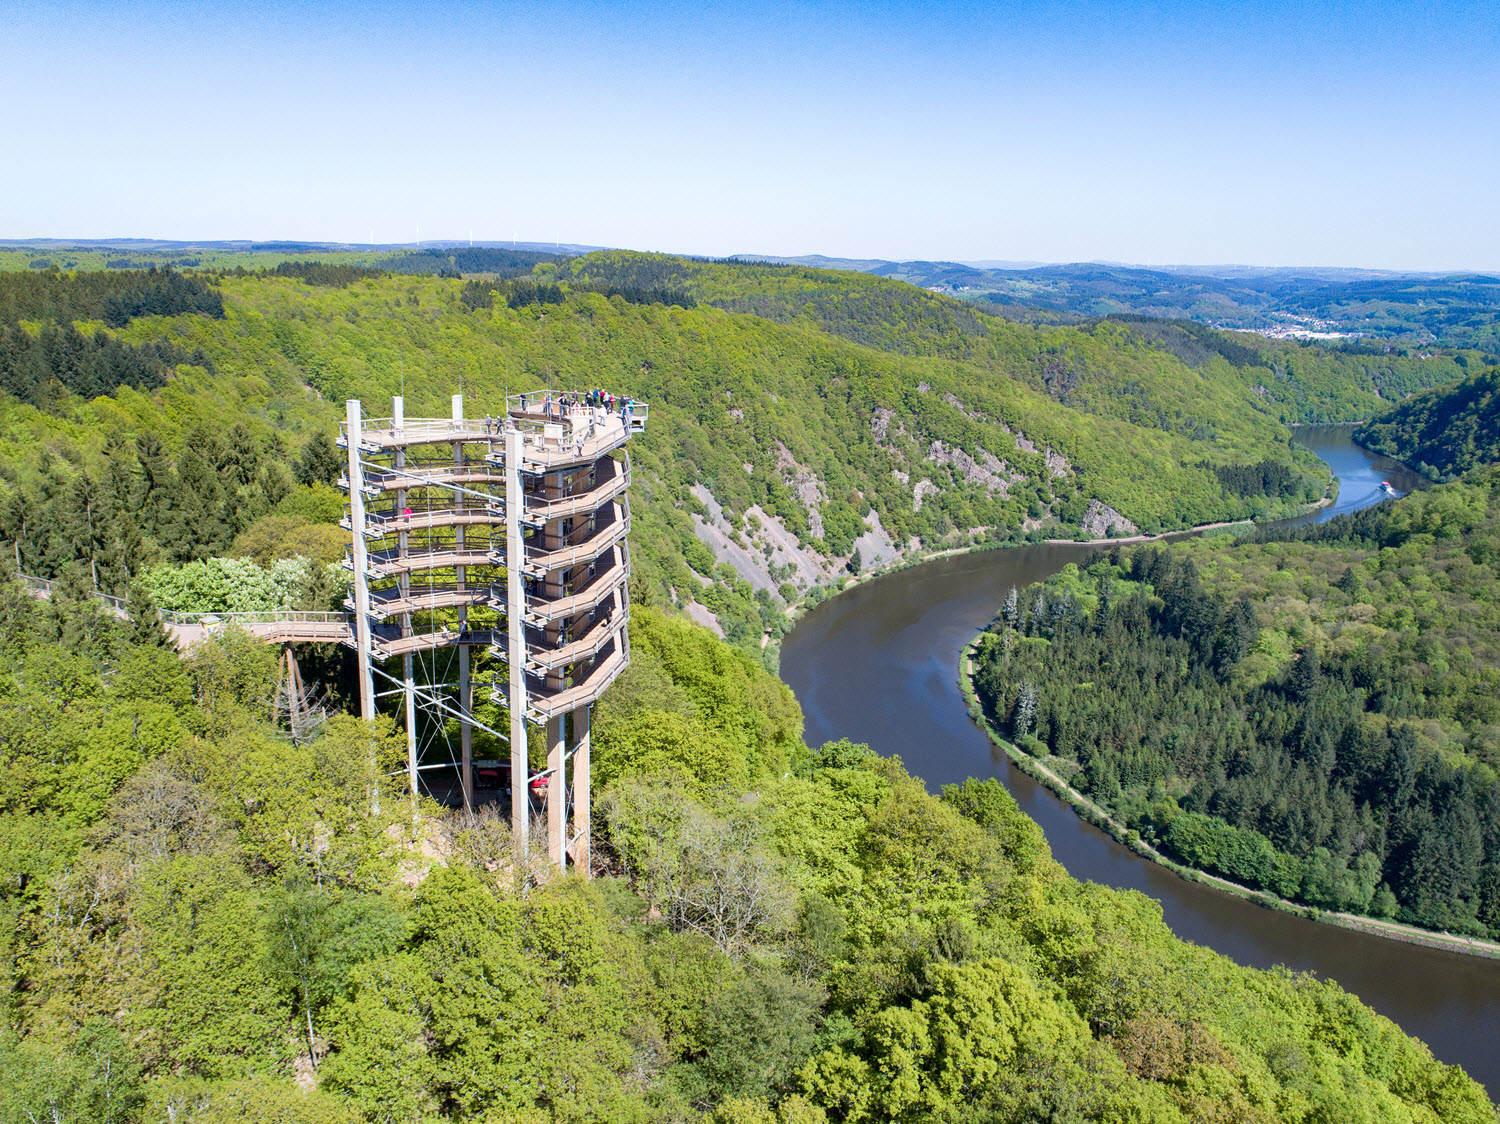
<point x="506" y="534"/>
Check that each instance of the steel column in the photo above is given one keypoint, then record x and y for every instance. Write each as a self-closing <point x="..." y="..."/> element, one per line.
<point x="361" y="582"/>
<point x="583" y="856"/>
<point x="557" y="793"/>
<point x="515" y="610"/>
<point x="409" y="697"/>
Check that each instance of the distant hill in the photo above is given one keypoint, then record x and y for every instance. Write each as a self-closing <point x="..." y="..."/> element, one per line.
<point x="1400" y="309"/>
<point x="1443" y="432"/>
<point x="169" y="246"/>
<point x="1454" y="310"/>
<point x="85" y="255"/>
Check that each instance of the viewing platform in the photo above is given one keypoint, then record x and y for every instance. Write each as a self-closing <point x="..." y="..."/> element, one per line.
<point x="437" y="508"/>
<point x="380" y="435"/>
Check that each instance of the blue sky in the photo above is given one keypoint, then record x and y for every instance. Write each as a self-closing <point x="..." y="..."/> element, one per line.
<point x="1331" y="134"/>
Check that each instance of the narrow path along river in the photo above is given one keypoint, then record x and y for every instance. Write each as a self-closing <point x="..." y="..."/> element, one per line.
<point x="879" y="664"/>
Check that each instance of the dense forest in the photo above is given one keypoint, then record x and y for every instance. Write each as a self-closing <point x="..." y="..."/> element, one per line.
<point x="209" y="920"/>
<point x="781" y="424"/>
<point x="47" y="366"/>
<point x="847" y="403"/>
<point x="1319" y="717"/>
<point x="1443" y="432"/>
<point x="146" y="507"/>
<point x="1232" y="378"/>
<point x="115" y="297"/>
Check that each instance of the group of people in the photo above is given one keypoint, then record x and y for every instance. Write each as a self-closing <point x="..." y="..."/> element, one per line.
<point x="592" y="399"/>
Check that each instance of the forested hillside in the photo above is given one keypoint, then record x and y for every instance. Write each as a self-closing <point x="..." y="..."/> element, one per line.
<point x="805" y="422"/>
<point x="817" y="440"/>
<point x="1318" y="717"/>
<point x="1444" y="432"/>
<point x="207" y="920"/>
<point x="1233" y="381"/>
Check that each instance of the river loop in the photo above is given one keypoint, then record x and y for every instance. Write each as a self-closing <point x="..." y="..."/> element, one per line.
<point x="879" y="664"/>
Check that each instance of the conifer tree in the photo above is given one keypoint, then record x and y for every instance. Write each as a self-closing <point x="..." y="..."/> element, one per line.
<point x="319" y="462"/>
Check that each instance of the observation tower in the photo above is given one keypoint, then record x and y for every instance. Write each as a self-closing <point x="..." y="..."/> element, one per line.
<point x="506" y="535"/>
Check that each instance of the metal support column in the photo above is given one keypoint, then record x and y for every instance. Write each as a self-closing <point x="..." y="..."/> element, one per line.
<point x="583" y="856"/>
<point x="361" y="581"/>
<point x="515" y="610"/>
<point x="409" y="691"/>
<point x="466" y="731"/>
<point x="465" y="693"/>
<point x="557" y="794"/>
<point x="403" y="582"/>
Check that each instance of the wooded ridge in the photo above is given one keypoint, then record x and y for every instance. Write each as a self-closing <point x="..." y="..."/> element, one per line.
<point x="1313" y="715"/>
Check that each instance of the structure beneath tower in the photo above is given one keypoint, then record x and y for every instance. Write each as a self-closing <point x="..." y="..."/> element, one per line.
<point x="500" y="540"/>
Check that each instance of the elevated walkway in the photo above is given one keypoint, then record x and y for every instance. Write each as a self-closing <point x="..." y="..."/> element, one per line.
<point x="469" y="474"/>
<point x="281" y="627"/>
<point x="546" y="704"/>
<point x="383" y="565"/>
<point x="424" y="599"/>
<point x="388" y="643"/>
<point x="383" y="435"/>
<point x="540" y="608"/>
<point x="541" y="659"/>
<point x="611" y="528"/>
<point x="380" y="524"/>
<point x="613" y="479"/>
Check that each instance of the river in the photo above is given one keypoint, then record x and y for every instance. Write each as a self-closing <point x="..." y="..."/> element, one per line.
<point x="879" y="664"/>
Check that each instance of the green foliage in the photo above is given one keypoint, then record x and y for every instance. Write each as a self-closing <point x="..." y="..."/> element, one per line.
<point x="1328" y="734"/>
<point x="1443" y="432"/>
<point x="46" y="368"/>
<point x="93" y="1078"/>
<point x="823" y="399"/>
<point x="744" y="723"/>
<point x="800" y="402"/>
<point x="114" y="296"/>
<point x="798" y="936"/>
<point x="239" y="585"/>
<point x="198" y="907"/>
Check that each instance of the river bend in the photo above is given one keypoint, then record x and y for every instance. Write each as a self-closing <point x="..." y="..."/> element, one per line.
<point x="879" y="664"/>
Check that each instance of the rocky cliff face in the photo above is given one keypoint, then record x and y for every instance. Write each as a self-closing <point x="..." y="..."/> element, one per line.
<point x="1100" y="517"/>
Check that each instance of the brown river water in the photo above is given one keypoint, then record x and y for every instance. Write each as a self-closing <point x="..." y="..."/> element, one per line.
<point x="879" y="664"/>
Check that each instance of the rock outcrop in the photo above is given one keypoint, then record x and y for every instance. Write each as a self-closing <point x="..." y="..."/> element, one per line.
<point x="1100" y="517"/>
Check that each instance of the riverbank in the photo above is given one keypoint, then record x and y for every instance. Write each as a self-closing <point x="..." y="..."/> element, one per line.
<point x="798" y="608"/>
<point x="1091" y="812"/>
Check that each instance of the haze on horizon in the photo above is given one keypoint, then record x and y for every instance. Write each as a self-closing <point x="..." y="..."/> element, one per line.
<point x="1356" y="134"/>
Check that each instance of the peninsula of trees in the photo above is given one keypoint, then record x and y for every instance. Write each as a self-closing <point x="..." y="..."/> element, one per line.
<point x="1313" y="713"/>
<point x="1443" y="432"/>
